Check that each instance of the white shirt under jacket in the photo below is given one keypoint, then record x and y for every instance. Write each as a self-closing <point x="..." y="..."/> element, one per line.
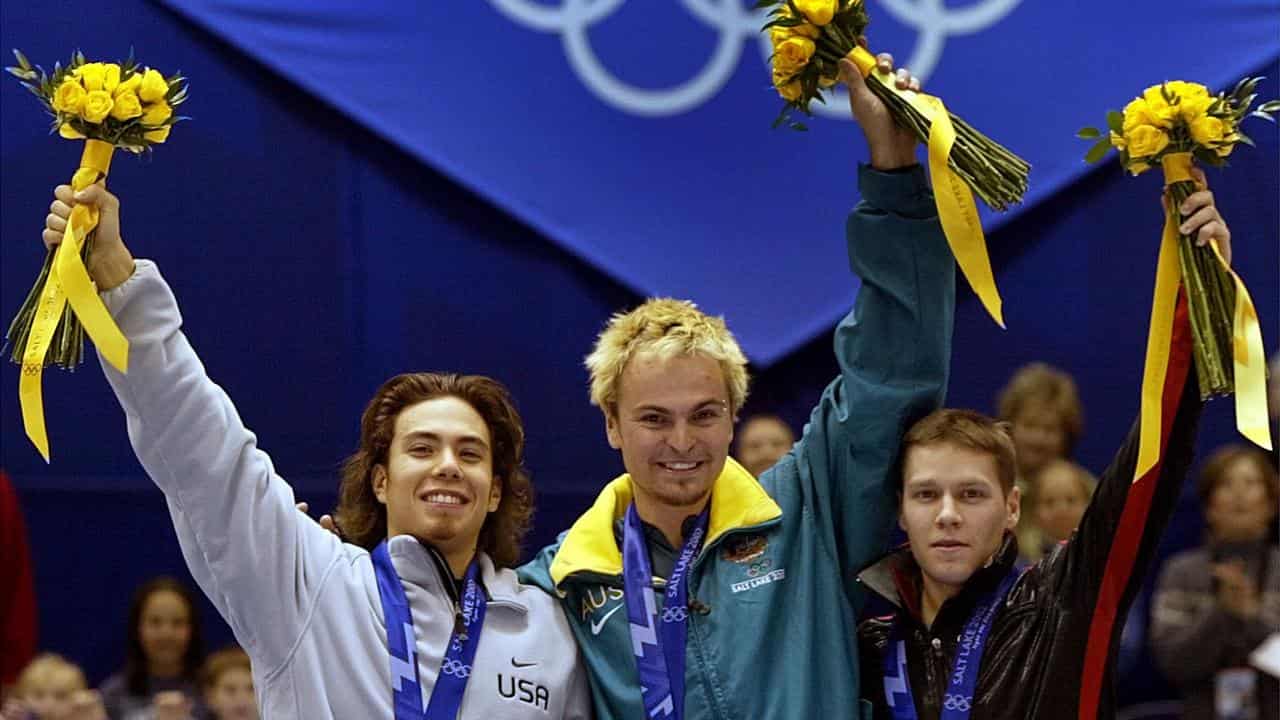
<point x="302" y="603"/>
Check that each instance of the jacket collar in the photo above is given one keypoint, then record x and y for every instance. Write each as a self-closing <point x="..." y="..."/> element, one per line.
<point x="896" y="578"/>
<point x="418" y="563"/>
<point x="737" y="501"/>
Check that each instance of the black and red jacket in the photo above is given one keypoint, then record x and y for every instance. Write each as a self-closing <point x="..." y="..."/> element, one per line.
<point x="1052" y="647"/>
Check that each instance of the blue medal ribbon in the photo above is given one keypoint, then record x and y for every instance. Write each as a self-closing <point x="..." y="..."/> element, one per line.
<point x="658" y="640"/>
<point x="451" y="683"/>
<point x="957" y="699"/>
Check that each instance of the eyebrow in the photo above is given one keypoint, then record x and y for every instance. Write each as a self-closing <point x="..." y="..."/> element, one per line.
<point x="433" y="437"/>
<point x="667" y="411"/>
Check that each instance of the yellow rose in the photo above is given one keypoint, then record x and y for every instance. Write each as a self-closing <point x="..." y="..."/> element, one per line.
<point x="779" y="35"/>
<point x="69" y="96"/>
<point x="818" y="12"/>
<point x="1207" y="129"/>
<point x="126" y="106"/>
<point x="1117" y="141"/>
<point x="153" y="86"/>
<point x="93" y="75"/>
<point x="156" y="113"/>
<point x="111" y="78"/>
<point x="96" y="107"/>
<point x="158" y="135"/>
<point x="790" y="91"/>
<point x="1159" y="112"/>
<point x="792" y="54"/>
<point x="68" y="132"/>
<point x="130" y="85"/>
<point x="1145" y="141"/>
<point x="1225" y="149"/>
<point x="1191" y="108"/>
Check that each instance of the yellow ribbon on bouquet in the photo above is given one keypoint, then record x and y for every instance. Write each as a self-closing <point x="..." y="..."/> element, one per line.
<point x="1249" y="360"/>
<point x="69" y="283"/>
<point x="956" y="208"/>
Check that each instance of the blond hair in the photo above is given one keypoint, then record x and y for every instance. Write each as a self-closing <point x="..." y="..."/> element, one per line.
<point x="221" y="662"/>
<point x="666" y="328"/>
<point x="1041" y="386"/>
<point x="43" y="668"/>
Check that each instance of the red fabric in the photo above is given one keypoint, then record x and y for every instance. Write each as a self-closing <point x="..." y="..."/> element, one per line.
<point x="1124" y="548"/>
<point x="17" y="588"/>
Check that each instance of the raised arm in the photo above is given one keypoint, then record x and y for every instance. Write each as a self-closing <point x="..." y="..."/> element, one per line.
<point x="257" y="558"/>
<point x="1102" y="567"/>
<point x="893" y="348"/>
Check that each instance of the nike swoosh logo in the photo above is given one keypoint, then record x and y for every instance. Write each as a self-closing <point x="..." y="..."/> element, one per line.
<point x="519" y="664"/>
<point x="596" y="627"/>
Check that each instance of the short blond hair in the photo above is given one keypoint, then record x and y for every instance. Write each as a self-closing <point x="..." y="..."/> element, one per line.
<point x="43" y="668"/>
<point x="222" y="662"/>
<point x="666" y="328"/>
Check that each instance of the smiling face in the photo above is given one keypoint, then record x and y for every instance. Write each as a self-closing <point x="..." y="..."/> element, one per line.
<point x="1241" y="505"/>
<point x="673" y="424"/>
<point x="438" y="483"/>
<point x="954" y="512"/>
<point x="164" y="631"/>
<point x="762" y="441"/>
<point x="1060" y="500"/>
<point x="230" y="695"/>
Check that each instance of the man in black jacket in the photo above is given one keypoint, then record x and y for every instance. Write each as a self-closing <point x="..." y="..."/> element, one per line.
<point x="974" y="637"/>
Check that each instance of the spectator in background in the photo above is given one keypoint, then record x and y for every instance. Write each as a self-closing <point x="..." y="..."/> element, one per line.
<point x="762" y="441"/>
<point x="51" y="688"/>
<point x="17" y="591"/>
<point x="1214" y="605"/>
<point x="162" y="657"/>
<point x="1042" y="405"/>
<point x="227" y="680"/>
<point x="1060" y="493"/>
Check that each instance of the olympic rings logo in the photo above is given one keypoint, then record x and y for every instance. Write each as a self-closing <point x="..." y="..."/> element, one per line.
<point x="958" y="703"/>
<point x="675" y="614"/>
<point x="759" y="567"/>
<point x="456" y="668"/>
<point x="736" y="25"/>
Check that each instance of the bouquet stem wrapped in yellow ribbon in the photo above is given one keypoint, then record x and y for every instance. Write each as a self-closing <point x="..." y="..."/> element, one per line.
<point x="109" y="106"/>
<point x="1171" y="126"/>
<point x="810" y="37"/>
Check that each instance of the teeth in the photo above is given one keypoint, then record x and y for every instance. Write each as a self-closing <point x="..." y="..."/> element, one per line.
<point x="680" y="466"/>
<point x="444" y="498"/>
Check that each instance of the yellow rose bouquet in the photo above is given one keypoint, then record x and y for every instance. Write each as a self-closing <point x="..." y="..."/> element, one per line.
<point x="1173" y="125"/>
<point x="108" y="106"/>
<point x="809" y="39"/>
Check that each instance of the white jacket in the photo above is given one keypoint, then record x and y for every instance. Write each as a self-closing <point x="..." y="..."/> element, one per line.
<point x="302" y="603"/>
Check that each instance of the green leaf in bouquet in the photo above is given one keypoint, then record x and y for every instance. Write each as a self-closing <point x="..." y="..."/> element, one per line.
<point x="78" y="59"/>
<point x="1115" y="122"/>
<point x="1205" y="156"/>
<point x="1263" y="115"/>
<point x="23" y="62"/>
<point x="1245" y="139"/>
<point x="1088" y="133"/>
<point x="1270" y="106"/>
<point x="762" y="4"/>
<point x="1246" y="86"/>
<point x="1098" y="151"/>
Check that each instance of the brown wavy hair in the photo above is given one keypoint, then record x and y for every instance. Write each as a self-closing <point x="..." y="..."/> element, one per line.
<point x="363" y="520"/>
<point x="1039" y="385"/>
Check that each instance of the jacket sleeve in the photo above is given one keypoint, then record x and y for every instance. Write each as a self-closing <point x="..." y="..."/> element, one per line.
<point x="894" y="351"/>
<point x="1189" y="632"/>
<point x="257" y="558"/>
<point x="1103" y="565"/>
